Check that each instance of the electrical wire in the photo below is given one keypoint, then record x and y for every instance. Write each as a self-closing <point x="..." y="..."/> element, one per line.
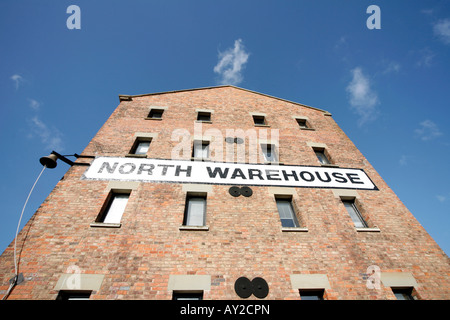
<point x="16" y="265"/>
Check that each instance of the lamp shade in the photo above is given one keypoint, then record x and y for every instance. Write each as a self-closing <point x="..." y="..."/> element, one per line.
<point x="49" y="161"/>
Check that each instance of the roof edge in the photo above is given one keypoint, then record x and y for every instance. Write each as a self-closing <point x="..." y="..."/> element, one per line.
<point x="124" y="97"/>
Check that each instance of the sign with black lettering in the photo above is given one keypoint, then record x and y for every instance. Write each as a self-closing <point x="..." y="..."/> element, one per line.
<point x="182" y="171"/>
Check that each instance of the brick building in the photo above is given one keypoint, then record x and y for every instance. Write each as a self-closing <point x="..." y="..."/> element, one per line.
<point x="223" y="193"/>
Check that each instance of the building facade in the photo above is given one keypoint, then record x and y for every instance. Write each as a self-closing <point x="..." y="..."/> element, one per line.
<point x="223" y="193"/>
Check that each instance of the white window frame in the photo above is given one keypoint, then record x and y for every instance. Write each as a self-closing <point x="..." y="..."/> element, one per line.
<point x="116" y="208"/>
<point x="142" y="147"/>
<point x="201" y="149"/>
<point x="273" y="157"/>
<point x="321" y="156"/>
<point x="354" y="213"/>
<point x="286" y="212"/>
<point x="195" y="211"/>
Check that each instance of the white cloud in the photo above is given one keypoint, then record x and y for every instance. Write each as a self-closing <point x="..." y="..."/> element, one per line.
<point x="403" y="160"/>
<point x="391" y="67"/>
<point x="50" y="137"/>
<point x="34" y="104"/>
<point x="441" y="198"/>
<point x="342" y="41"/>
<point x="428" y="130"/>
<point x="426" y="57"/>
<point x="362" y="98"/>
<point x="17" y="80"/>
<point x="231" y="63"/>
<point x="427" y="11"/>
<point x="442" y="30"/>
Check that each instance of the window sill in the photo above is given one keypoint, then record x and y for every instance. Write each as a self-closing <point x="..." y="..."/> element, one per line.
<point x="375" y="229"/>
<point x="275" y="163"/>
<point x="105" y="225"/>
<point x="293" y="229"/>
<point x="262" y="125"/>
<point x="200" y="159"/>
<point x="329" y="165"/>
<point x="203" y="121"/>
<point x="193" y="228"/>
<point x="131" y="155"/>
<point x="158" y="119"/>
<point x="308" y="129"/>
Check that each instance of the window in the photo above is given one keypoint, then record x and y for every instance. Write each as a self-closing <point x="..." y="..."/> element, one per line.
<point x="195" y="210"/>
<point x="287" y="213"/>
<point x="187" y="295"/>
<point x="311" y="294"/>
<point x="320" y="153"/>
<point x="259" y="120"/>
<point x="156" y="114"/>
<point x="354" y="214"/>
<point x="115" y="208"/>
<point x="302" y="123"/>
<point x="403" y="293"/>
<point x="73" y="295"/>
<point x="201" y="150"/>
<point x="140" y="147"/>
<point x="204" y="116"/>
<point x="269" y="152"/>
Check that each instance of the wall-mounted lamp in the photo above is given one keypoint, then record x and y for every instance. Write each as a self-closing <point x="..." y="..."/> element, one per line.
<point x="50" y="160"/>
<point x="47" y="162"/>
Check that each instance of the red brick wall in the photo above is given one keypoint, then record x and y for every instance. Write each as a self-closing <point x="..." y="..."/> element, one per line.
<point x="244" y="236"/>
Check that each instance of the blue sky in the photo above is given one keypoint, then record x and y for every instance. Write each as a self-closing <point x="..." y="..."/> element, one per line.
<point x="387" y="88"/>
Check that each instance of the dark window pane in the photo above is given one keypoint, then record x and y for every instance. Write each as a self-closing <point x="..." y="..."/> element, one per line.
<point x="259" y="120"/>
<point x="311" y="294"/>
<point x="156" y="113"/>
<point x="403" y="293"/>
<point x="204" y="116"/>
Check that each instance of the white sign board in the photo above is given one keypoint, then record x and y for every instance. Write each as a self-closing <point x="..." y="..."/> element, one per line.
<point x="182" y="171"/>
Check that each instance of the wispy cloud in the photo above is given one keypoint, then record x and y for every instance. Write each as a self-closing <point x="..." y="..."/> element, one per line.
<point x="341" y="42"/>
<point x="391" y="67"/>
<point x="426" y="57"/>
<point x="428" y="130"/>
<point x="17" y="80"/>
<point x="34" y="104"/>
<point x="50" y="137"/>
<point x="427" y="12"/>
<point x="362" y="97"/>
<point x="230" y="64"/>
<point x="442" y="30"/>
<point x="403" y="160"/>
<point x="443" y="197"/>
